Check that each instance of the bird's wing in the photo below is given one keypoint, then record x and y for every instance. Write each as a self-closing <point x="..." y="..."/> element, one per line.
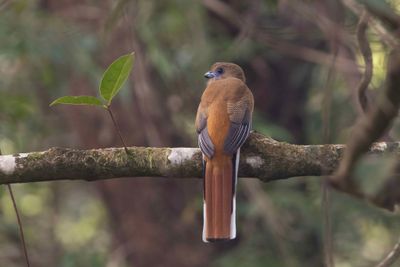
<point x="240" y="113"/>
<point x="204" y="140"/>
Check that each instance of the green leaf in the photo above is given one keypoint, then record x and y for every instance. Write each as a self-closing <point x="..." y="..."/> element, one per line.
<point x="78" y="100"/>
<point x="115" y="76"/>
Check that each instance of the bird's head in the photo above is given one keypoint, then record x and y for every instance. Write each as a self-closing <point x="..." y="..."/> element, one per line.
<point x="223" y="70"/>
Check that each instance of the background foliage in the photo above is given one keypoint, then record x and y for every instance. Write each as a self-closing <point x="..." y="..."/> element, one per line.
<point x="52" y="48"/>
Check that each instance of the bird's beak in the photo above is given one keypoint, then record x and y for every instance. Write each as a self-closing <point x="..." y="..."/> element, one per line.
<point x="209" y="74"/>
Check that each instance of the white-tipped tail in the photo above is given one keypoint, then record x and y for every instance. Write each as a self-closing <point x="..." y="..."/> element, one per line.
<point x="219" y="206"/>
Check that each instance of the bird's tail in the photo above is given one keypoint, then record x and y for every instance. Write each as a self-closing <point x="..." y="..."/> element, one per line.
<point x="219" y="211"/>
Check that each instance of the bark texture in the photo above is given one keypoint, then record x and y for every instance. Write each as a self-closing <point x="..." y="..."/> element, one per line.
<point x="261" y="157"/>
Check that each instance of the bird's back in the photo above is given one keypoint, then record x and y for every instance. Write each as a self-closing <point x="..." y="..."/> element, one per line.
<point x="216" y="99"/>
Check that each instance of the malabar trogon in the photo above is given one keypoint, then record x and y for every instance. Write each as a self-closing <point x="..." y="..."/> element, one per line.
<point x="223" y="123"/>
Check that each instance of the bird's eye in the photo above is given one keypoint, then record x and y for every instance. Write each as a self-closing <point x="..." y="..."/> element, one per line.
<point x="220" y="70"/>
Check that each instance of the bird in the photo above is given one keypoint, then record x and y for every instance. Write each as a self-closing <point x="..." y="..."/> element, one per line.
<point x="223" y="123"/>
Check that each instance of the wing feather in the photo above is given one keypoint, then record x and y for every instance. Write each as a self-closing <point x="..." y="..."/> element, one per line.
<point x="205" y="143"/>
<point x="240" y="116"/>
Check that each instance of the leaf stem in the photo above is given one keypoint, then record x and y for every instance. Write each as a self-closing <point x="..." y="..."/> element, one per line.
<point x="117" y="128"/>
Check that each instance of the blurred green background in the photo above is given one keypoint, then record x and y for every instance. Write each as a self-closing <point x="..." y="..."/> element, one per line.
<point x="51" y="48"/>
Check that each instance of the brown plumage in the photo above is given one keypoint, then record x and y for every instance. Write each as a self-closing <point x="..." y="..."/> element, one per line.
<point x="223" y="123"/>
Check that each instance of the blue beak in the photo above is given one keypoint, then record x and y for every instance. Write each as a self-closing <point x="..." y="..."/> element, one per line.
<point x="209" y="74"/>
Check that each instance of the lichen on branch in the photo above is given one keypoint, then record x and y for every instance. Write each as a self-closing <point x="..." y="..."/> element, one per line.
<point x="261" y="157"/>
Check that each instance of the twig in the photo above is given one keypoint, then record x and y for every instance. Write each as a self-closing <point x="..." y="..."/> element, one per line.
<point x="388" y="195"/>
<point x="365" y="50"/>
<point x="375" y="24"/>
<point x="378" y="118"/>
<point x="4" y="5"/>
<point x="370" y="127"/>
<point x="326" y="22"/>
<point x="384" y="12"/>
<point x="117" y="129"/>
<point x="21" y="230"/>
<point x="391" y="257"/>
<point x="297" y="51"/>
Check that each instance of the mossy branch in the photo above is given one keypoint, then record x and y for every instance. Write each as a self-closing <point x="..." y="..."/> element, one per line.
<point x="261" y="157"/>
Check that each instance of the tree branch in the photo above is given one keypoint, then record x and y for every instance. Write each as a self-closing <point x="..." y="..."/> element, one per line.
<point x="262" y="157"/>
<point x="366" y="52"/>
